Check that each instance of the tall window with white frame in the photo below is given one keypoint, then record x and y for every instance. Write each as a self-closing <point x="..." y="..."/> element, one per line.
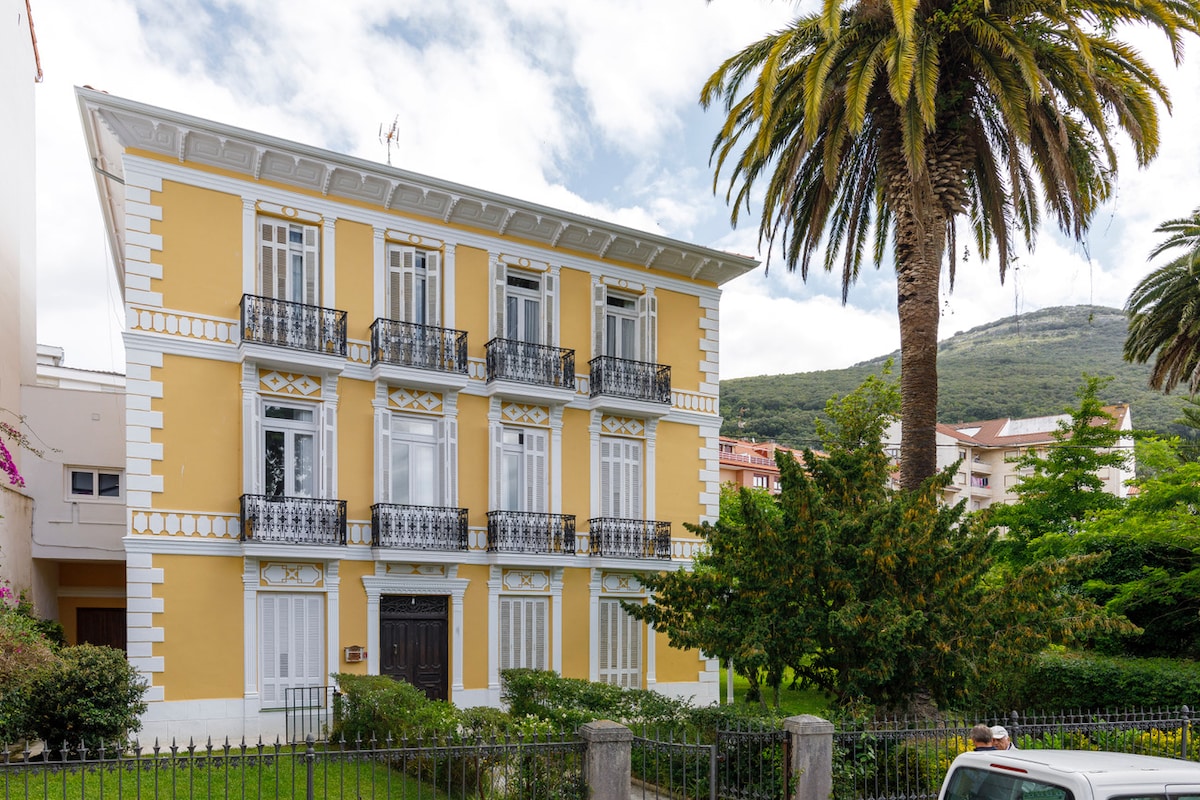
<point x="523" y="632"/>
<point x="621" y="478"/>
<point x="416" y="461"/>
<point x="523" y="470"/>
<point x="620" y="327"/>
<point x="523" y="307"/>
<point x="291" y="636"/>
<point x="288" y="261"/>
<point x="620" y="646"/>
<point x="289" y="450"/>
<point x="413" y="284"/>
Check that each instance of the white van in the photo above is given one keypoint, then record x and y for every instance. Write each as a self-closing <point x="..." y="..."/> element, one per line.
<point x="1069" y="775"/>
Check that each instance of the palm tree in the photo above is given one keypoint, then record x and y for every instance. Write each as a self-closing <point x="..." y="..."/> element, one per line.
<point x="887" y="121"/>
<point x="1164" y="310"/>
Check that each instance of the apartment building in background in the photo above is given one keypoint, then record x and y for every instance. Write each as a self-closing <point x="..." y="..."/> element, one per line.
<point x="378" y="422"/>
<point x="988" y="449"/>
<point x="750" y="464"/>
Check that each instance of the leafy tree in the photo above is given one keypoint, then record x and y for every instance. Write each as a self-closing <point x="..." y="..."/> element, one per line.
<point x="865" y="592"/>
<point x="1151" y="570"/>
<point x="1164" y="310"/>
<point x="892" y="122"/>
<point x="1064" y="487"/>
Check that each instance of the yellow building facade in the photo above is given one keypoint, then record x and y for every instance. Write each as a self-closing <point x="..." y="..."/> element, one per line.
<point x="381" y="423"/>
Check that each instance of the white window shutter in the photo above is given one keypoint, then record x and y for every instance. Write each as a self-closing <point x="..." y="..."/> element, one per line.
<point x="327" y="467"/>
<point x="433" y="288"/>
<point x="599" y="298"/>
<point x="499" y="289"/>
<point x="647" y="308"/>
<point x="395" y="293"/>
<point x="633" y="469"/>
<point x="383" y="441"/>
<point x="267" y="631"/>
<point x="607" y="634"/>
<point x="506" y="639"/>
<point x="535" y="471"/>
<point x="606" y="479"/>
<point x="549" y="308"/>
<point x="409" y="271"/>
<point x="497" y="466"/>
<point x="273" y="258"/>
<point x="312" y="671"/>
<point x="632" y="660"/>
<point x="539" y="638"/>
<point x="311" y="293"/>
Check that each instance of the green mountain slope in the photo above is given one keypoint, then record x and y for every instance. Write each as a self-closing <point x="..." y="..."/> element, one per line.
<point x="1022" y="366"/>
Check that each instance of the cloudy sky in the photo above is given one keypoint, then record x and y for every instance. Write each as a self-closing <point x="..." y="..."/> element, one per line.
<point x="585" y="105"/>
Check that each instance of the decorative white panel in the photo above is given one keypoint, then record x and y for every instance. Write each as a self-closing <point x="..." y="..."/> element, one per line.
<point x="278" y="573"/>
<point x="526" y="580"/>
<point x="621" y="583"/>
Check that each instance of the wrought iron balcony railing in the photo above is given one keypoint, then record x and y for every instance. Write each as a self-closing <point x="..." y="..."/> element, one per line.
<point x="637" y="380"/>
<point x="281" y="323"/>
<point x="293" y="520"/>
<point x="513" y="360"/>
<point x="629" y="538"/>
<point x="418" y="527"/>
<point x="530" y="532"/>
<point x="406" y="344"/>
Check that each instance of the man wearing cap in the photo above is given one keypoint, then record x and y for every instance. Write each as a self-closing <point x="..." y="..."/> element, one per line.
<point x="1000" y="738"/>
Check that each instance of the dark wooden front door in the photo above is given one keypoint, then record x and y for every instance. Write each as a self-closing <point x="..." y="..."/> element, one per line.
<point x="413" y="642"/>
<point x="104" y="626"/>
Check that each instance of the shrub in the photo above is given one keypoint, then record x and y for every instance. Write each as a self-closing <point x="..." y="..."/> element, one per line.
<point x="88" y="694"/>
<point x="376" y="708"/>
<point x="1087" y="681"/>
<point x="570" y="702"/>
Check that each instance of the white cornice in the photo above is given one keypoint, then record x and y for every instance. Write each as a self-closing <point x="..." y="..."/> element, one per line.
<point x="113" y="125"/>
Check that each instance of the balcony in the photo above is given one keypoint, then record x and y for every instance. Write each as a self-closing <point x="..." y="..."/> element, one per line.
<point x="534" y="372"/>
<point x="629" y="538"/>
<point x="418" y="527"/>
<point x="530" y="532"/>
<point x="294" y="326"/>
<point x="292" y="520"/>
<point x="632" y="380"/>
<point x="405" y="344"/>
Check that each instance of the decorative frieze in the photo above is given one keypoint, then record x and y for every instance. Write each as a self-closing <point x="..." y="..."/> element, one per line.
<point x="178" y="323"/>
<point x="419" y="400"/>
<point x="623" y="426"/>
<point x="525" y="580"/>
<point x="417" y="570"/>
<point x="291" y="385"/>
<point x="291" y="574"/>
<point x="621" y="583"/>
<point x="522" y="414"/>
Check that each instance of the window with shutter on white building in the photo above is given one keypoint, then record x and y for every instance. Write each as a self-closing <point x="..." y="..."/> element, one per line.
<point x="288" y="267"/>
<point x="523" y="623"/>
<point x="291" y="636"/>
<point x="620" y="646"/>
<point x="416" y="462"/>
<point x="289" y="450"/>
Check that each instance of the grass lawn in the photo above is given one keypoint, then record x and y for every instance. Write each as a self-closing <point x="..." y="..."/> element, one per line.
<point x="791" y="701"/>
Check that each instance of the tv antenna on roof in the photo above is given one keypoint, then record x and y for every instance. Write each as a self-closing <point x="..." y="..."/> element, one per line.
<point x="392" y="135"/>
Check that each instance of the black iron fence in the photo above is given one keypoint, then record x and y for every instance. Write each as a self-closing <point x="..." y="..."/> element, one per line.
<point x="407" y="344"/>
<point x="282" y="323"/>
<point x="903" y="759"/>
<point x="514" y="360"/>
<point x="629" y="538"/>
<point x="308" y="711"/>
<point x="549" y="768"/>
<point x="743" y="763"/>
<point x="637" y="380"/>
<point x="292" y="520"/>
<point x="418" y="527"/>
<point x="530" y="532"/>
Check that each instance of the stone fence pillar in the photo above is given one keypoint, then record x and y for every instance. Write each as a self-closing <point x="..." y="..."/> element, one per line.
<point x="812" y="756"/>
<point x="608" y="754"/>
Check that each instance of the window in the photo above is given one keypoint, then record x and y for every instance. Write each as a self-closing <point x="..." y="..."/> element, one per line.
<point x="979" y="481"/>
<point x="415" y="462"/>
<point x="625" y="325"/>
<point x="290" y="630"/>
<point x="523" y="632"/>
<point x="413" y="288"/>
<point x="620" y="478"/>
<point x="760" y="481"/>
<point x="523" y="470"/>
<point x="523" y="307"/>
<point x="289" y="450"/>
<point x="288" y="261"/>
<point x="620" y="328"/>
<point x="620" y="646"/>
<point x="102" y="485"/>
